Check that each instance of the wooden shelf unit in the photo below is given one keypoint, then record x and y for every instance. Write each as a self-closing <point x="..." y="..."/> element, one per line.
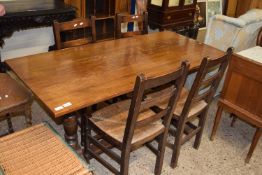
<point x="105" y="12"/>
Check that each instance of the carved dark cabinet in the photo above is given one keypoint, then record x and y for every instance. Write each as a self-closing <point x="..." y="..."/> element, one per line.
<point x="27" y="14"/>
<point x="171" y="14"/>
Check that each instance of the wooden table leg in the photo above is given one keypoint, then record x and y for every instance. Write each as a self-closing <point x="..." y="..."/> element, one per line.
<point x="70" y="127"/>
<point x="253" y="144"/>
<point x="216" y="123"/>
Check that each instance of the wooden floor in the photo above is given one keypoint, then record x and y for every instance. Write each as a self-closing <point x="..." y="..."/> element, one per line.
<point x="225" y="155"/>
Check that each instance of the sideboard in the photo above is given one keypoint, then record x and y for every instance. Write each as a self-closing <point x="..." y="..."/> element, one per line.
<point x="26" y="14"/>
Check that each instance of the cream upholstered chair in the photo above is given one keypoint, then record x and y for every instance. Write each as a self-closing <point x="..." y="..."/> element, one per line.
<point x="241" y="33"/>
<point x="224" y="32"/>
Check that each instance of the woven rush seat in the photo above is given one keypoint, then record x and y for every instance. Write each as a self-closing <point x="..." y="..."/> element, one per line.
<point x="112" y="120"/>
<point x="39" y="150"/>
<point x="195" y="108"/>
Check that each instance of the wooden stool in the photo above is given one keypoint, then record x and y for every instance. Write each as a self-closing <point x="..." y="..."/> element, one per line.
<point x="14" y="100"/>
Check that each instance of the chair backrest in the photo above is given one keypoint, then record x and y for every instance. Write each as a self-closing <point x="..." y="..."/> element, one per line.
<point x="172" y="81"/>
<point x="142" y="21"/>
<point x="206" y="82"/>
<point x="74" y="33"/>
<point x="259" y="38"/>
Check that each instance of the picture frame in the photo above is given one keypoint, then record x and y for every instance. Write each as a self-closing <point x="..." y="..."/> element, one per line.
<point x="209" y="8"/>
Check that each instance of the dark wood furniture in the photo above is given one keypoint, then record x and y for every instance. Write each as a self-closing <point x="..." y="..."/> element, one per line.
<point x="194" y="104"/>
<point x="74" y="33"/>
<point x="93" y="73"/>
<point x="142" y="21"/>
<point x="241" y="96"/>
<point x="37" y="150"/>
<point x="167" y="14"/>
<point x="85" y="7"/>
<point x="14" y="100"/>
<point x="259" y="38"/>
<point x="130" y="124"/>
<point x="80" y="6"/>
<point x="26" y="14"/>
<point x="235" y="8"/>
<point x="105" y="12"/>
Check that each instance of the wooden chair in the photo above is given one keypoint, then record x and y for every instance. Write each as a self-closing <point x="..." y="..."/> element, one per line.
<point x="194" y="104"/>
<point x="129" y="124"/>
<point x="259" y="38"/>
<point x="39" y="150"/>
<point x="74" y="33"/>
<point x="142" y="21"/>
<point x="14" y="100"/>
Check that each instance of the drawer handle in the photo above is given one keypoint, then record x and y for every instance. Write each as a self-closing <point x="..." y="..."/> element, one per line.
<point x="168" y="17"/>
<point x="190" y="14"/>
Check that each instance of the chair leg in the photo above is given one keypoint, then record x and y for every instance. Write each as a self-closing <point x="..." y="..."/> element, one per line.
<point x="201" y="124"/>
<point x="87" y="131"/>
<point x="28" y="116"/>
<point x="177" y="144"/>
<point x="233" y="120"/>
<point x="216" y="123"/>
<point x="253" y="144"/>
<point x="161" y="151"/>
<point x="10" y="125"/>
<point x="124" y="165"/>
<point x="83" y="129"/>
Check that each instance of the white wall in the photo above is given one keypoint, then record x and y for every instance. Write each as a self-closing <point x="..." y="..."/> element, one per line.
<point x="27" y="42"/>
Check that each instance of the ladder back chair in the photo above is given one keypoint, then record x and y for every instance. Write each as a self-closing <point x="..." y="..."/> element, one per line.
<point x="74" y="33"/>
<point x="129" y="124"/>
<point x="194" y="104"/>
<point x="142" y="22"/>
<point x="39" y="150"/>
<point x="14" y="101"/>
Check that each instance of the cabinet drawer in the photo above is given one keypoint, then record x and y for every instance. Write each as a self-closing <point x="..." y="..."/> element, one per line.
<point x="178" y="16"/>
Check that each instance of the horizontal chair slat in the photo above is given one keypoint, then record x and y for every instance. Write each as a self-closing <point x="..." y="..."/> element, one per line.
<point x="110" y="153"/>
<point x="152" y="119"/>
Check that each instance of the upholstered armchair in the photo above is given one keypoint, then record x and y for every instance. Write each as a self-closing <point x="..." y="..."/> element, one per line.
<point x="241" y="33"/>
<point x="224" y="32"/>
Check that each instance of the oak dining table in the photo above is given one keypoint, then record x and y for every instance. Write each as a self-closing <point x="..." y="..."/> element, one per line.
<point x="69" y="80"/>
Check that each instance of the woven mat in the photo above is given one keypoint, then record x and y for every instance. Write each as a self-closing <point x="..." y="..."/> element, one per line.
<point x="39" y="150"/>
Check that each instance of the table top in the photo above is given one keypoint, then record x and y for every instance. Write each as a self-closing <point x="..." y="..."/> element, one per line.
<point x="71" y="79"/>
<point x="254" y="54"/>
